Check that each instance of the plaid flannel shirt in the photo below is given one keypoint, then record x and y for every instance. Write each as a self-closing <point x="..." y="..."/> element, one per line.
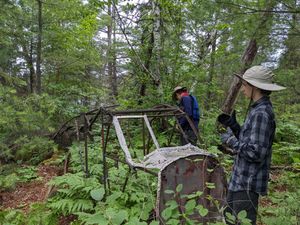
<point x="254" y="149"/>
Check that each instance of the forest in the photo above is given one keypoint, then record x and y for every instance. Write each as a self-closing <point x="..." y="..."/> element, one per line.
<point x="63" y="63"/>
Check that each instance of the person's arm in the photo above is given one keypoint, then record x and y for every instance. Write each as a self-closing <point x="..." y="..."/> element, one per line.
<point x="187" y="108"/>
<point x="254" y="147"/>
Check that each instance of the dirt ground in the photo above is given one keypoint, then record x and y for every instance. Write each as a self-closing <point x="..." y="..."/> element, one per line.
<point x="34" y="191"/>
<point x="30" y="192"/>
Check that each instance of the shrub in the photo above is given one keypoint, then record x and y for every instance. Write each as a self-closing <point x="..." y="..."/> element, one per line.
<point x="34" y="150"/>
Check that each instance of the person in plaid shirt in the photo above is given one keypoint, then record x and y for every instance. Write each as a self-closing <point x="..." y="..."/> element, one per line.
<point x="251" y="143"/>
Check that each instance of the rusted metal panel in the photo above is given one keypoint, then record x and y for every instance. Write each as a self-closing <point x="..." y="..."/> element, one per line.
<point x="195" y="173"/>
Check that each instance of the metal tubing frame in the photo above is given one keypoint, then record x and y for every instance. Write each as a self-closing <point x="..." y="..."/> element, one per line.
<point x="121" y="137"/>
<point x="104" y="154"/>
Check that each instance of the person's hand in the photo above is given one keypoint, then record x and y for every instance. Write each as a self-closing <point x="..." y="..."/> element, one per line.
<point x="224" y="119"/>
<point x="230" y="121"/>
<point x="227" y="120"/>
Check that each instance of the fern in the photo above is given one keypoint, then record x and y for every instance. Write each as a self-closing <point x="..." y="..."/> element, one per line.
<point x="40" y="214"/>
<point x="73" y="194"/>
<point x="74" y="185"/>
<point x="68" y="206"/>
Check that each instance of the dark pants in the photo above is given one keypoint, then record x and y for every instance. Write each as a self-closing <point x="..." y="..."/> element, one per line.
<point x="189" y="138"/>
<point x="242" y="200"/>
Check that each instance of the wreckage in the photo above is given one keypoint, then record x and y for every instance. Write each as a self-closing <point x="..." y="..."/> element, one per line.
<point x="192" y="168"/>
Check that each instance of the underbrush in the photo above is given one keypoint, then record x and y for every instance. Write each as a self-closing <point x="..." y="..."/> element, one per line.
<point x="11" y="175"/>
<point x="282" y="206"/>
<point x="133" y="203"/>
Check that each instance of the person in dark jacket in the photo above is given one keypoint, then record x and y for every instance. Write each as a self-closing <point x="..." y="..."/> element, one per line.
<point x="251" y="143"/>
<point x="189" y="105"/>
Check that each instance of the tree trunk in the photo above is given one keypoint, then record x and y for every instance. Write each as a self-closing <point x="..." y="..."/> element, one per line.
<point x="247" y="60"/>
<point x="39" y="49"/>
<point x="114" y="57"/>
<point x="149" y="54"/>
<point x="28" y="55"/>
<point x="211" y="68"/>
<point x="110" y="52"/>
<point x="157" y="47"/>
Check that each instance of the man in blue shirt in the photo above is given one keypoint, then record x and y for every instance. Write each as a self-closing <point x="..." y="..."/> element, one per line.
<point x="189" y="105"/>
<point x="251" y="143"/>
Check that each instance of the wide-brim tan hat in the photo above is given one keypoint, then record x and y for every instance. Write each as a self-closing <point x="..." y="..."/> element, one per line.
<point x="261" y="78"/>
<point x="178" y="88"/>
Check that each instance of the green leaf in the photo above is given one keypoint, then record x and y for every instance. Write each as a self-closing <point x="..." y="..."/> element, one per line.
<point x="202" y="211"/>
<point x="97" y="218"/>
<point x="167" y="213"/>
<point x="210" y="185"/>
<point x="194" y="195"/>
<point x="190" y="206"/>
<point x="120" y="217"/>
<point x="172" y="204"/>
<point x="154" y="223"/>
<point x="230" y="217"/>
<point x="173" y="222"/>
<point x="179" y="188"/>
<point x="97" y="194"/>
<point x="169" y="192"/>
<point x="242" y="214"/>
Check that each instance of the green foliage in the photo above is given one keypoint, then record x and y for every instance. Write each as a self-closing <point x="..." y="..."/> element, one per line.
<point x="11" y="176"/>
<point x="38" y="214"/>
<point x="73" y="194"/>
<point x="74" y="79"/>
<point x="110" y="216"/>
<point x="8" y="182"/>
<point x="12" y="217"/>
<point x="27" y="173"/>
<point x="84" y="196"/>
<point x="287" y="132"/>
<point x="41" y="214"/>
<point x="21" y="120"/>
<point x="285" y="209"/>
<point x="286" y="149"/>
<point x="174" y="213"/>
<point x="98" y="194"/>
<point x="34" y="150"/>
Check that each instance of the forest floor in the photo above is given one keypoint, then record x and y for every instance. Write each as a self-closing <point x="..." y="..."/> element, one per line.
<point x="32" y="192"/>
<point x="38" y="190"/>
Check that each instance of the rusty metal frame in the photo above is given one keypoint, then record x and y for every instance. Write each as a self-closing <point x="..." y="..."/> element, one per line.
<point x="160" y="158"/>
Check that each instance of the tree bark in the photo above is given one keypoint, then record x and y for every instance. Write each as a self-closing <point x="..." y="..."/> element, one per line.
<point x="149" y="53"/>
<point x="110" y="52"/>
<point x="39" y="49"/>
<point x="157" y="47"/>
<point x="114" y="57"/>
<point x="28" y="55"/>
<point x="211" y="68"/>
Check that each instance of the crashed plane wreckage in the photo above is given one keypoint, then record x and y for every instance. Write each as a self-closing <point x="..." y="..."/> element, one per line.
<point x="193" y="169"/>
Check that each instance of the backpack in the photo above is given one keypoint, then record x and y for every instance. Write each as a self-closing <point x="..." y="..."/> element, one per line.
<point x="195" y="109"/>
